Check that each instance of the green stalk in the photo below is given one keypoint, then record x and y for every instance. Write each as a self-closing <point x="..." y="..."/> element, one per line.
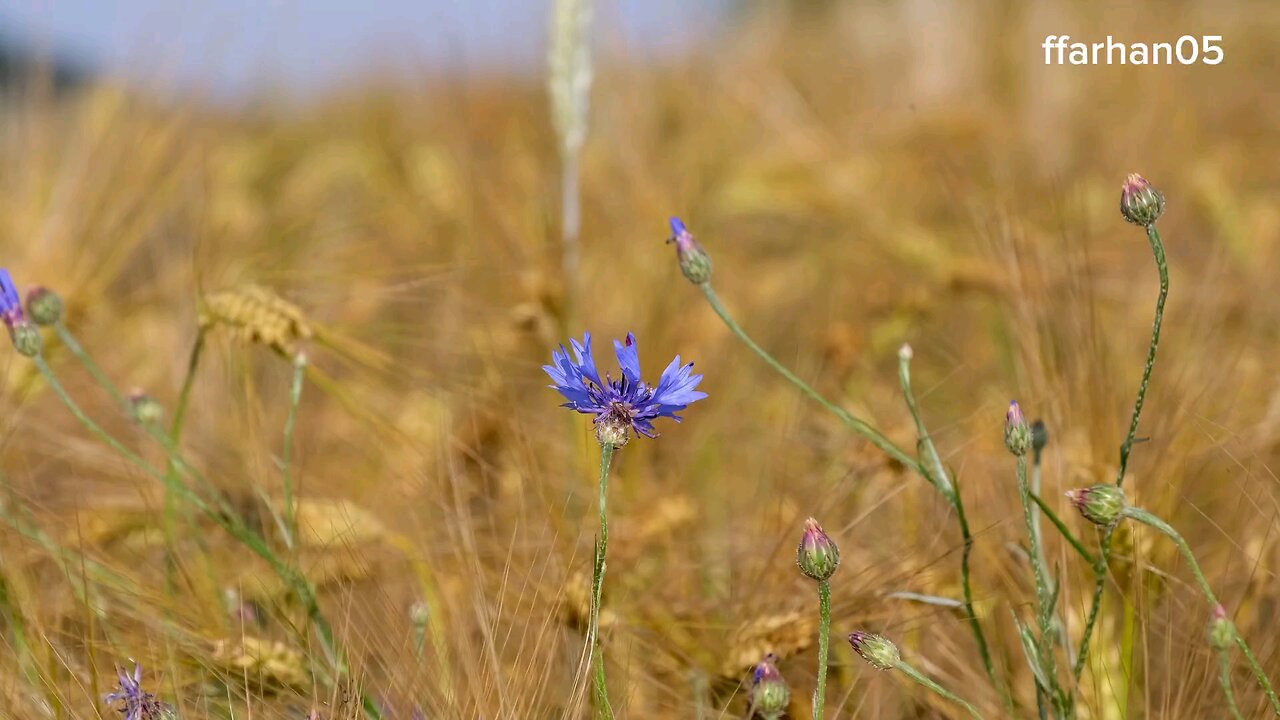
<point x="229" y="521"/>
<point x="184" y="396"/>
<point x="920" y="677"/>
<point x="295" y="397"/>
<point x="1224" y="677"/>
<point x="603" y="708"/>
<point x="938" y="477"/>
<point x="85" y="359"/>
<point x="1062" y="528"/>
<point x="859" y="426"/>
<point x="1151" y="520"/>
<point x="1100" y="570"/>
<point x="824" y="637"/>
<point x="1045" y="654"/>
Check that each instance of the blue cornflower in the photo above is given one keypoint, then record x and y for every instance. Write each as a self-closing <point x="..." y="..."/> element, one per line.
<point x="138" y="704"/>
<point x="10" y="301"/>
<point x="626" y="403"/>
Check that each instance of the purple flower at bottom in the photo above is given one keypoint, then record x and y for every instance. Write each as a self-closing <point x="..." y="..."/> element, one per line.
<point x="627" y="403"/>
<point x="138" y="704"/>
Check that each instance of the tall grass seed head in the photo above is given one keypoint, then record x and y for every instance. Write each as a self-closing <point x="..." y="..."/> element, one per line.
<point x="1140" y="203"/>
<point x="818" y="556"/>
<point x="1222" y="632"/>
<point x="880" y="652"/>
<point x="44" y="306"/>
<point x="695" y="263"/>
<point x="627" y="403"/>
<point x="1101" y="504"/>
<point x="1017" y="433"/>
<point x="770" y="696"/>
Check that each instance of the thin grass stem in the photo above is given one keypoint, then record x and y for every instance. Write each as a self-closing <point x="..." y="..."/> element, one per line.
<point x="286" y="463"/>
<point x="73" y="345"/>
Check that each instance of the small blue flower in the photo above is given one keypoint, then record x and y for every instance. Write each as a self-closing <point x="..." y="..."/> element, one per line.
<point x="627" y="403"/>
<point x="138" y="704"/>
<point x="10" y="300"/>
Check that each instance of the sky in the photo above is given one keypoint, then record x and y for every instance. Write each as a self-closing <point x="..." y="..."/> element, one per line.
<point x="233" y="47"/>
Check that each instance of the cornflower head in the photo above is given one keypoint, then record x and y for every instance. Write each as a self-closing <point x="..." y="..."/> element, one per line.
<point x="1017" y="433"/>
<point x="881" y="653"/>
<point x="1140" y="203"/>
<point x="695" y="263"/>
<point x="770" y="695"/>
<point x="1101" y="504"/>
<point x="138" y="704"/>
<point x="627" y="403"/>
<point x="25" y="336"/>
<point x="817" y="556"/>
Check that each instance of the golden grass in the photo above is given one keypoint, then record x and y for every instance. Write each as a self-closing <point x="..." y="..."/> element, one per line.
<point x="862" y="178"/>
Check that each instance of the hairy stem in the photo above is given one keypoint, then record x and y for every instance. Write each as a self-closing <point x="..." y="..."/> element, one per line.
<point x="824" y="636"/>
<point x="1100" y="570"/>
<point x="1151" y="520"/>
<point x="939" y="478"/>
<point x="1224" y="677"/>
<point x="858" y="425"/>
<point x="1045" y="654"/>
<point x="603" y="708"/>
<point x="920" y="677"/>
<point x="72" y="344"/>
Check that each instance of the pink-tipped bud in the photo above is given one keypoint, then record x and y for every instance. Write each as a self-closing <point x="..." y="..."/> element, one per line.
<point x="44" y="306"/>
<point x="881" y="653"/>
<point x="1140" y="203"/>
<point x="695" y="263"/>
<point x="817" y="556"/>
<point x="770" y="696"/>
<point x="146" y="410"/>
<point x="1017" y="433"/>
<point x="1222" y="632"/>
<point x="1101" y="504"/>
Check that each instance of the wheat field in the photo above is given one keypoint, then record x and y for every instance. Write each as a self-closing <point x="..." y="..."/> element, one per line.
<point x="863" y="176"/>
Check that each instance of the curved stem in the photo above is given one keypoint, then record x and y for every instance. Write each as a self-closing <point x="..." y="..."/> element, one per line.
<point x="859" y="426"/>
<point x="824" y="636"/>
<point x="85" y="359"/>
<point x="1224" y="677"/>
<point x="919" y="677"/>
<point x="603" y="708"/>
<point x="1100" y="570"/>
<point x="938" y="477"/>
<point x="184" y="396"/>
<point x="1147" y="518"/>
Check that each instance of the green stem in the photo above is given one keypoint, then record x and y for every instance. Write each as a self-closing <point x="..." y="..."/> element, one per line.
<point x="1224" y="677"/>
<point x="1147" y="518"/>
<point x="603" y="707"/>
<point x="295" y="397"/>
<point x="1063" y="529"/>
<point x="859" y="426"/>
<point x="85" y="359"/>
<point x="184" y="396"/>
<point x="919" y="677"/>
<point x="1100" y="570"/>
<point x="229" y="521"/>
<point x="1045" y="654"/>
<point x="951" y="492"/>
<point x="824" y="636"/>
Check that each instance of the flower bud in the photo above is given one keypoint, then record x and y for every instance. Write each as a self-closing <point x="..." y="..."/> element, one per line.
<point x="26" y="338"/>
<point x="770" y="696"/>
<point x="882" y="654"/>
<point x="1101" y="504"/>
<point x="1039" y="437"/>
<point x="145" y="409"/>
<point x="695" y="263"/>
<point x="1017" y="433"/>
<point x="1222" y="632"/>
<point x="1140" y="203"/>
<point x="44" y="306"/>
<point x="817" y="556"/>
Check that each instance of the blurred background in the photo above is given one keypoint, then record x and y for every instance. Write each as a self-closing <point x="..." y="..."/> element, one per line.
<point x="383" y="187"/>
